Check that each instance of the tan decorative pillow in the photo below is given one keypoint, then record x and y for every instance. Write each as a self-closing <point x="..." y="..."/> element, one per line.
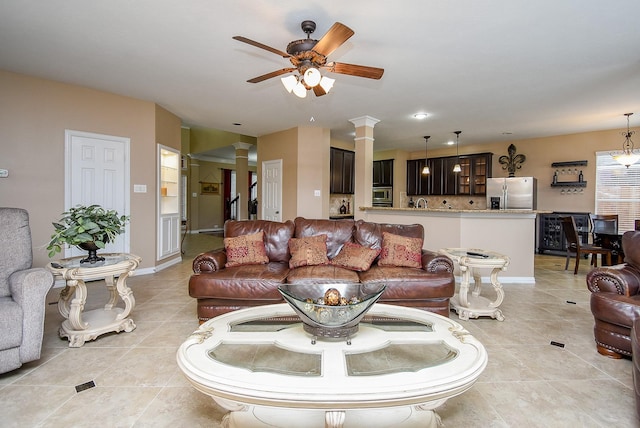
<point x="355" y="257"/>
<point x="245" y="250"/>
<point x="308" y="251"/>
<point x="400" y="251"/>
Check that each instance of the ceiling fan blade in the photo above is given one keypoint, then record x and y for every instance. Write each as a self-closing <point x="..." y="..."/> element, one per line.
<point x="337" y="35"/>
<point x="355" y="70"/>
<point x="261" y="46"/>
<point x="270" y="75"/>
<point x="319" y="91"/>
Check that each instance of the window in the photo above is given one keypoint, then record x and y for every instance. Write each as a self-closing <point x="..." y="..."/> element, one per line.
<point x="617" y="190"/>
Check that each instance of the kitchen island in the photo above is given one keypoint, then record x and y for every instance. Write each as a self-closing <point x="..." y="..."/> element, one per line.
<point x="509" y="232"/>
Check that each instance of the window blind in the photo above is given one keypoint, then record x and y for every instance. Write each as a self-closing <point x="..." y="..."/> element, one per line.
<point x="617" y="190"/>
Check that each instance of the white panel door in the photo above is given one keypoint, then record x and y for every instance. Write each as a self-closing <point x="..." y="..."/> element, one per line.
<point x="97" y="172"/>
<point x="272" y="190"/>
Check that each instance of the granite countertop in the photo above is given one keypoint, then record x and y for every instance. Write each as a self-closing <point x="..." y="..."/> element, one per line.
<point x="452" y="210"/>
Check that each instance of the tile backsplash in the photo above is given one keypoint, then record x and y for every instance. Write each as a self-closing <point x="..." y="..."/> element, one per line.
<point x="444" y="201"/>
<point x="336" y="201"/>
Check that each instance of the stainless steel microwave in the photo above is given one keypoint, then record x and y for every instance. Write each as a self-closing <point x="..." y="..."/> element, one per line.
<point x="382" y="195"/>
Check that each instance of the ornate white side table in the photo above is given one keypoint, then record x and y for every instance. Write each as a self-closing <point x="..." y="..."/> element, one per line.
<point x="81" y="326"/>
<point x="470" y="260"/>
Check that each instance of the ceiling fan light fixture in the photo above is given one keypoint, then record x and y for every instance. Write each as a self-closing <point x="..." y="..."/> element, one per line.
<point x="289" y="82"/>
<point x="300" y="90"/>
<point x="628" y="155"/>
<point x="326" y="83"/>
<point x="312" y="77"/>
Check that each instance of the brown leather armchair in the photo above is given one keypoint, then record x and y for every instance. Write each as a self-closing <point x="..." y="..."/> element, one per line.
<point x="615" y="299"/>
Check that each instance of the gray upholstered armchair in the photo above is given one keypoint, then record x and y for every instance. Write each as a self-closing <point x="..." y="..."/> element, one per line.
<point x="22" y="292"/>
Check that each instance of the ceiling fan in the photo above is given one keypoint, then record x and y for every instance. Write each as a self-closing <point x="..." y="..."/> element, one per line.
<point x="308" y="56"/>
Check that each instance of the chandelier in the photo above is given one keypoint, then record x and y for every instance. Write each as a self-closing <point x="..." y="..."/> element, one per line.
<point x="425" y="169"/>
<point x="628" y="156"/>
<point x="310" y="78"/>
<point x="456" y="167"/>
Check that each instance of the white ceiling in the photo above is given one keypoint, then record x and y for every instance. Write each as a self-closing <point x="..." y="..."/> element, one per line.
<point x="486" y="67"/>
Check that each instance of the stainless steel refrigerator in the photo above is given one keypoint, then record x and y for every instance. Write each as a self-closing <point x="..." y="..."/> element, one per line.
<point x="512" y="193"/>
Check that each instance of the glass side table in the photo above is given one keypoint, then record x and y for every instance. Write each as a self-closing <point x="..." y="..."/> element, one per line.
<point x="470" y="260"/>
<point x="79" y="325"/>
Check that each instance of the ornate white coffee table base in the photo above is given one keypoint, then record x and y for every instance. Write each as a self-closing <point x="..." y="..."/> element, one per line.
<point x="255" y="417"/>
<point x="473" y="305"/>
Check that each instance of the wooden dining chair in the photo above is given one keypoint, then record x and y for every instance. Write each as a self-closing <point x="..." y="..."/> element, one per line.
<point x="577" y="248"/>
<point x="604" y="223"/>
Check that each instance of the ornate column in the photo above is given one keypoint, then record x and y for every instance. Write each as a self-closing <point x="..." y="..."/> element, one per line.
<point x="242" y="178"/>
<point x="364" y="162"/>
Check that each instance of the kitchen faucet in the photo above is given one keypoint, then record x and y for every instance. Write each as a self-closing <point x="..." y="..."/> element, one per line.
<point x="418" y="203"/>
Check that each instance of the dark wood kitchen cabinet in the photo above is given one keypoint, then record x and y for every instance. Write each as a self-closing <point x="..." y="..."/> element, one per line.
<point x="383" y="173"/>
<point x="442" y="180"/>
<point x="343" y="164"/>
<point x="551" y="236"/>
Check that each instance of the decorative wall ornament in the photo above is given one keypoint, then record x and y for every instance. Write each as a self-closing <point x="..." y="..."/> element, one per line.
<point x="513" y="161"/>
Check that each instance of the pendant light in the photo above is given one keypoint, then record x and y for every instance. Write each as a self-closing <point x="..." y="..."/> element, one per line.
<point x="425" y="169"/>
<point x="628" y="156"/>
<point x="456" y="167"/>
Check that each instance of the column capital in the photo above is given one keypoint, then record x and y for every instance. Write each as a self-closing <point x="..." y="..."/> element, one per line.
<point x="364" y="121"/>
<point x="242" y="146"/>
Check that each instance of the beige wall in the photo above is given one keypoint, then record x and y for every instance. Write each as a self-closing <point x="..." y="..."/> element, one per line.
<point x="305" y="168"/>
<point x="313" y="172"/>
<point x="540" y="153"/>
<point x="34" y="114"/>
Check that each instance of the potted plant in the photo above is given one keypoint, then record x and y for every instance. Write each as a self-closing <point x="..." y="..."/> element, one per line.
<point x="87" y="227"/>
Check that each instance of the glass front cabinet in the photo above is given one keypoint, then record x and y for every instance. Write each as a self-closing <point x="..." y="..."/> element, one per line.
<point x="168" y="201"/>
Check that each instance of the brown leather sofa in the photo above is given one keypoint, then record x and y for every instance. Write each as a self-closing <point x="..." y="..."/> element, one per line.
<point x="221" y="289"/>
<point x="635" y="350"/>
<point x="615" y="299"/>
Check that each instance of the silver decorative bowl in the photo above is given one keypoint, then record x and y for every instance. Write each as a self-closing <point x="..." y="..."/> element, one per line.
<point x="328" y="320"/>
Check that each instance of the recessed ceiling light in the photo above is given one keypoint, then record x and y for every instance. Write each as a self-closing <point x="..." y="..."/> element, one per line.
<point x="450" y="143"/>
<point x="421" y="115"/>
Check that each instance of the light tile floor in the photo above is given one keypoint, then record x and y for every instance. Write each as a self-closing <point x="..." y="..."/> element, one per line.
<point x="527" y="383"/>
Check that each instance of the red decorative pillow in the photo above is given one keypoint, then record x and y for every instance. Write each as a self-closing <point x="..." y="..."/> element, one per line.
<point x="400" y="251"/>
<point x="245" y="250"/>
<point x="355" y="257"/>
<point x="308" y="251"/>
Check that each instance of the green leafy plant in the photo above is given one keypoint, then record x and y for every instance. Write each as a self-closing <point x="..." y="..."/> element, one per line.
<point x="83" y="224"/>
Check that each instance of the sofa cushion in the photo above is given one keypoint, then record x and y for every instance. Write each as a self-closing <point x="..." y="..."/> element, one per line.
<point x="338" y="232"/>
<point x="10" y="323"/>
<point x="409" y="283"/>
<point x="400" y="251"/>
<point x="15" y="236"/>
<point x="276" y="235"/>
<point x="369" y="234"/>
<point x="241" y="282"/>
<point x="355" y="257"/>
<point x="322" y="274"/>
<point x="245" y="250"/>
<point x="308" y="251"/>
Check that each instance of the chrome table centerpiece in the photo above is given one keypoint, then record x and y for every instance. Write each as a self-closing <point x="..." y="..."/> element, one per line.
<point x="331" y="310"/>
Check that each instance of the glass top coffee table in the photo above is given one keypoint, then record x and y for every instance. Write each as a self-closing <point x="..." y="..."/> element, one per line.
<point x="260" y="364"/>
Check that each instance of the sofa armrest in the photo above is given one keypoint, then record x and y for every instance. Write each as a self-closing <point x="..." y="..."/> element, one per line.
<point x="210" y="261"/>
<point x="29" y="289"/>
<point x="434" y="262"/>
<point x="622" y="279"/>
